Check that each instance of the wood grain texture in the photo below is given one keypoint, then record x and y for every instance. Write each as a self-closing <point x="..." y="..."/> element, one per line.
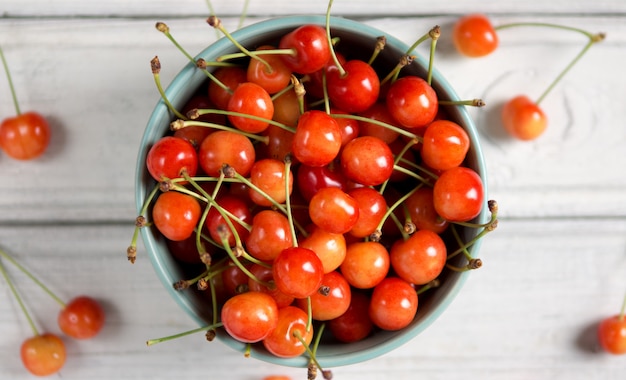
<point x="552" y="269"/>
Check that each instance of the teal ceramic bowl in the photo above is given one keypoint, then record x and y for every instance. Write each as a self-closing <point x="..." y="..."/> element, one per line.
<point x="189" y="80"/>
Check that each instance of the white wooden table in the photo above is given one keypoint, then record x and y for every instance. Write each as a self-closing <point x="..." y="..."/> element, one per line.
<point x="554" y="267"/>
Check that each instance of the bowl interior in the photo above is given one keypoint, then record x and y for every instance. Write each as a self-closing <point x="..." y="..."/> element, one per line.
<point x="359" y="38"/>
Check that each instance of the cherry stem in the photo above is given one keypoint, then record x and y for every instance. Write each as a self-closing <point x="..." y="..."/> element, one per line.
<point x="593" y="38"/>
<point x="237" y="262"/>
<point x="287" y="175"/>
<point x="622" y="313"/>
<point x="342" y="71"/>
<point x="379" y="123"/>
<point x="244" y="13"/>
<point x="212" y="12"/>
<point x="155" y="65"/>
<point x="397" y="159"/>
<point x="18" y="298"/>
<point x="195" y="113"/>
<point x="32" y="277"/>
<point x="434" y="34"/>
<point x="487" y="227"/>
<point x="249" y="54"/>
<point x="378" y="48"/>
<point x="467" y="102"/>
<point x="216" y="23"/>
<point x="163" y="28"/>
<point x="180" y="124"/>
<point x="431" y="285"/>
<point x="152" y="342"/>
<point x="11" y="87"/>
<point x="391" y="208"/>
<point x="405" y="60"/>
<point x="312" y="355"/>
<point x="140" y="222"/>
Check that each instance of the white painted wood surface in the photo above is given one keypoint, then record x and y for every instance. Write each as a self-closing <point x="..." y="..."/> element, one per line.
<point x="556" y="264"/>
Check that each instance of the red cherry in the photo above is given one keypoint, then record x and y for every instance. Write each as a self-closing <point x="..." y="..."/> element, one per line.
<point x="226" y="147"/>
<point x="393" y="304"/>
<point x="170" y="156"/>
<point x="269" y="235"/>
<point x="349" y="128"/>
<point x="412" y="102"/>
<point x="185" y="250"/>
<point x="25" y="136"/>
<point x="311" y="49"/>
<point x="329" y="305"/>
<point x="82" y="318"/>
<point x="234" y="279"/>
<point x="329" y="247"/>
<point x="421" y="208"/>
<point x="239" y="209"/>
<point x="176" y="215"/>
<point x="523" y="119"/>
<point x="612" y="334"/>
<point x="474" y="36"/>
<point x="445" y="145"/>
<point x="366" y="264"/>
<point x="269" y="176"/>
<point x="367" y="160"/>
<point x="372" y="209"/>
<point x="311" y="179"/>
<point x="419" y="259"/>
<point x="379" y="112"/>
<point x="458" y="194"/>
<point x="272" y="80"/>
<point x="333" y="210"/>
<point x="230" y="77"/>
<point x="298" y="272"/>
<point x="43" y="354"/>
<point x="249" y="317"/>
<point x="282" y="341"/>
<point x="250" y="99"/>
<point x="314" y="86"/>
<point x="356" y="90"/>
<point x="353" y="325"/>
<point x="317" y="139"/>
<point x="265" y="274"/>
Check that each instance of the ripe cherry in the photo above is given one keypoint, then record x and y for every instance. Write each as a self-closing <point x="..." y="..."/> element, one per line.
<point x="372" y="209"/>
<point x="366" y="264"/>
<point x="421" y="208"/>
<point x="226" y="147"/>
<point x="310" y="179"/>
<point x="355" y="89"/>
<point x="239" y="210"/>
<point x="27" y="135"/>
<point x="355" y="324"/>
<point x="264" y="275"/>
<point x="311" y="50"/>
<point x="334" y="210"/>
<point x="412" y="102"/>
<point x="81" y="318"/>
<point x="523" y="118"/>
<point x="458" y="194"/>
<point x="474" y="36"/>
<point x="612" y="332"/>
<point x="298" y="272"/>
<point x="393" y="304"/>
<point x="419" y="259"/>
<point x="332" y="302"/>
<point x="249" y="317"/>
<point x="230" y="77"/>
<point x="43" y="355"/>
<point x="273" y="78"/>
<point x="328" y="246"/>
<point x="269" y="235"/>
<point x="317" y="139"/>
<point x="445" y="145"/>
<point x="251" y="99"/>
<point x="367" y="160"/>
<point x="176" y="215"/>
<point x="170" y="156"/>
<point x="283" y="341"/>
<point x="268" y="175"/>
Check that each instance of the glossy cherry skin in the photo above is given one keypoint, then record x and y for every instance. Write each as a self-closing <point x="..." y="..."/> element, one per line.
<point x="419" y="259"/>
<point x="366" y="264"/>
<point x="393" y="304"/>
<point x="412" y="102"/>
<point x="231" y="77"/>
<point x="298" y="272"/>
<point x="251" y="99"/>
<point x="372" y="209"/>
<point x="265" y="274"/>
<point x="272" y="80"/>
<point x="473" y="35"/>
<point x="367" y="160"/>
<point x="235" y="206"/>
<point x="333" y="210"/>
<point x="325" y="307"/>
<point x="311" y="49"/>
<point x="311" y="179"/>
<point x="25" y="136"/>
<point x="170" y="156"/>
<point x="612" y="335"/>
<point x="270" y="234"/>
<point x="317" y="139"/>
<point x="355" y="324"/>
<point x="356" y="90"/>
<point x="282" y="341"/>
<point x="328" y="246"/>
<point x="523" y="118"/>
<point x="81" y="318"/>
<point x="268" y="175"/>
<point x="458" y="194"/>
<point x="379" y="112"/>
<point x="176" y="215"/>
<point x="226" y="147"/>
<point x="43" y="355"/>
<point x="249" y="317"/>
<point x="445" y="145"/>
<point x="421" y="208"/>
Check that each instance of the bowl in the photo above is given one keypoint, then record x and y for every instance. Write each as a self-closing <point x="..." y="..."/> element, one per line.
<point x="185" y="85"/>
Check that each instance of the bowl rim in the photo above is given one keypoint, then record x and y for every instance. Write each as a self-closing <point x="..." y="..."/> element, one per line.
<point x="387" y="341"/>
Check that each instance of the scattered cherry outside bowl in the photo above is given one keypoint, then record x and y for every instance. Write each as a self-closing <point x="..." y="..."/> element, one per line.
<point x="359" y="37"/>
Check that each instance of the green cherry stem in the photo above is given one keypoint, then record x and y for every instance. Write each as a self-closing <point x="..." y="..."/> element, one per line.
<point x="381" y="42"/>
<point x="592" y="39"/>
<point x="244" y="13"/>
<point x="155" y="65"/>
<point x="391" y="209"/>
<point x="287" y="176"/>
<point x="333" y="55"/>
<point x="180" y="124"/>
<point x="195" y="113"/>
<point x="397" y="159"/>
<point x="33" y="278"/>
<point x="249" y="54"/>
<point x="467" y="102"/>
<point x="434" y="34"/>
<point x="140" y="222"/>
<point x="19" y="299"/>
<point x="152" y="342"/>
<point x="431" y="285"/>
<point x="11" y="87"/>
<point x="379" y="123"/>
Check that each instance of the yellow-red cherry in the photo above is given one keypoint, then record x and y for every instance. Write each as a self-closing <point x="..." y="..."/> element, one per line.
<point x="249" y="317"/>
<point x="523" y="118"/>
<point x="82" y="318"/>
<point x="25" y="136"/>
<point x="176" y="215"/>
<point x="43" y="354"/>
<point x="473" y="35"/>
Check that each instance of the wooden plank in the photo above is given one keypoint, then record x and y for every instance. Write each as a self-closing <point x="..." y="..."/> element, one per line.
<point x="91" y="78"/>
<point x="529" y="312"/>
<point x="121" y="8"/>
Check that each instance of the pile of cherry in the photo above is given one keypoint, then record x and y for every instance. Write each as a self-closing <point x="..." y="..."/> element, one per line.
<point x="312" y="193"/>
